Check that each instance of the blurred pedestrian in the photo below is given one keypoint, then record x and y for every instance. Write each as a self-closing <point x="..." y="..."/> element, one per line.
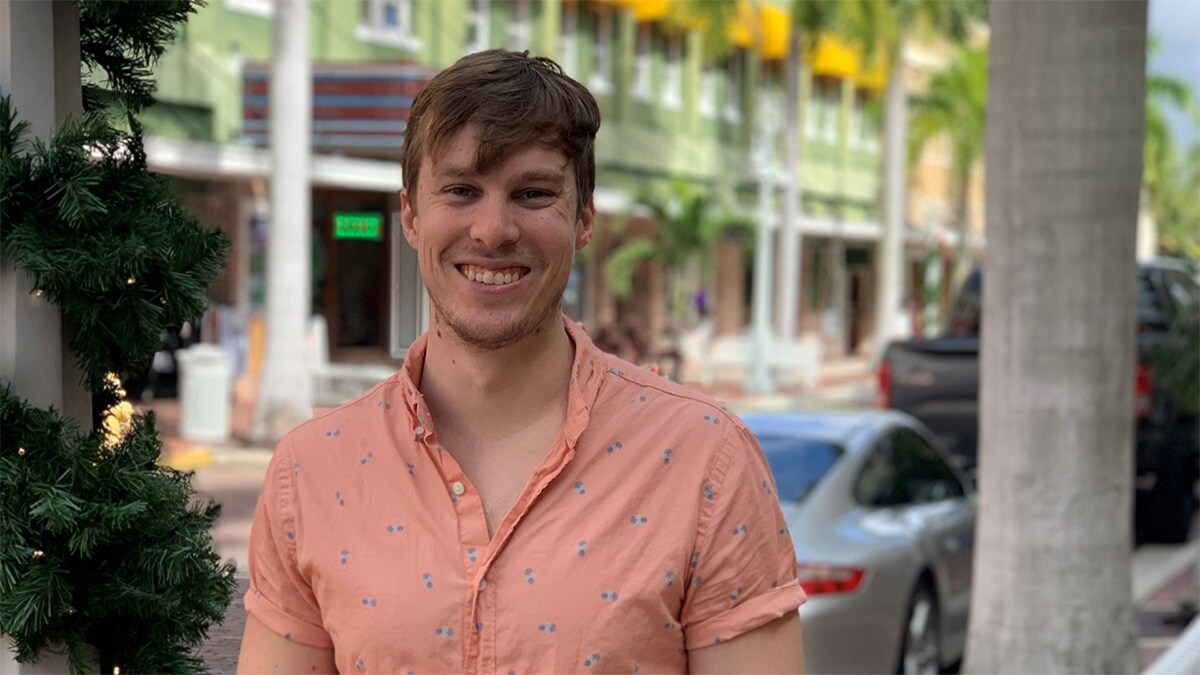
<point x="515" y="499"/>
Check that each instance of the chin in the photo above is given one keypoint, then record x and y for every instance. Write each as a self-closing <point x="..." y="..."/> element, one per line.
<point x="494" y="332"/>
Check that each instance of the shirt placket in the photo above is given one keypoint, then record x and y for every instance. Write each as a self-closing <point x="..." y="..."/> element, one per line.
<point x="472" y="532"/>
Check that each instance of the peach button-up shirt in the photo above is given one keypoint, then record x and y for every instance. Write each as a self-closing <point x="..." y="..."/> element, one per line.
<point x="650" y="528"/>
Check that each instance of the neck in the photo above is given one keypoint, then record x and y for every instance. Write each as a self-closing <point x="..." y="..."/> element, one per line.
<point x="493" y="391"/>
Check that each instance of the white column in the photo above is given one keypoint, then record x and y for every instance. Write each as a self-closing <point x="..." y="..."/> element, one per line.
<point x="758" y="370"/>
<point x="39" y="69"/>
<point x="890" y="259"/>
<point x="285" y="392"/>
<point x="39" y="46"/>
<point x="790" y="249"/>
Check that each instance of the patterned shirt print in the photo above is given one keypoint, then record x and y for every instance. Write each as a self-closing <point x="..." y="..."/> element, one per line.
<point x="644" y="533"/>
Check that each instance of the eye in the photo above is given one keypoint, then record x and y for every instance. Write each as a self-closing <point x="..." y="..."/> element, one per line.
<point x="458" y="191"/>
<point x="534" y="194"/>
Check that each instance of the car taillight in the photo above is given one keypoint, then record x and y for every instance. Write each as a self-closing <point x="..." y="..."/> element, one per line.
<point x="1143" y="392"/>
<point x="883" y="396"/>
<point x="818" y="579"/>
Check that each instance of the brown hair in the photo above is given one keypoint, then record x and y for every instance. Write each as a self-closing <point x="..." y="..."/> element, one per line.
<point x="515" y="99"/>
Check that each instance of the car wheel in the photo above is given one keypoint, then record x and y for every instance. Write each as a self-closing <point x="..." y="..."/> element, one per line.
<point x="920" y="652"/>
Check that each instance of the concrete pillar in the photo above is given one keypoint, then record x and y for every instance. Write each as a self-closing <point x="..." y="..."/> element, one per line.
<point x="39" y="70"/>
<point x="790" y="260"/>
<point x="285" y="392"/>
<point x="889" y="264"/>
<point x="39" y="46"/>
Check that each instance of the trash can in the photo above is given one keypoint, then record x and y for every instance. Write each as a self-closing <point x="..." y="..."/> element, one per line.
<point x="205" y="378"/>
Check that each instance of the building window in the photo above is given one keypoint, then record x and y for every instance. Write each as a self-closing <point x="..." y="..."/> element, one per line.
<point x="707" y="99"/>
<point x="263" y="8"/>
<point x="733" y="88"/>
<point x="478" y="26"/>
<point x="643" y="88"/>
<point x="600" y="80"/>
<point x="832" y="104"/>
<point x="673" y="74"/>
<point x="388" y="23"/>
<point x="519" y="26"/>
<point x="567" y="45"/>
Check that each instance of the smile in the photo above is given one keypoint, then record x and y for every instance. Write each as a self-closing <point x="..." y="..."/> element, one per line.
<point x="499" y="277"/>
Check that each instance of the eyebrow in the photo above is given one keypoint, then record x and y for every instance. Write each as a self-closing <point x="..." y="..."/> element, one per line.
<point x="460" y="172"/>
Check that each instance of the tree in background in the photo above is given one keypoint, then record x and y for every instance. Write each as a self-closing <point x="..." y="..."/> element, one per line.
<point x="1051" y="591"/>
<point x="1171" y="178"/>
<point x="953" y="110"/>
<point x="1177" y="208"/>
<point x="881" y="27"/>
<point x="689" y="224"/>
<point x="103" y="553"/>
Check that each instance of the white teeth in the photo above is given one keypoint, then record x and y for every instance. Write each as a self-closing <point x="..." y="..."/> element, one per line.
<point x="490" y="277"/>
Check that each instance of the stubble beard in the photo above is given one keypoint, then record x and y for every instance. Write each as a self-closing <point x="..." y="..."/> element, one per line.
<point x="498" y="337"/>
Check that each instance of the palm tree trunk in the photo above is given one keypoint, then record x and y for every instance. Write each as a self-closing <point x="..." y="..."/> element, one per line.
<point x="889" y="266"/>
<point x="1064" y="151"/>
<point x="285" y="392"/>
<point x="962" y="256"/>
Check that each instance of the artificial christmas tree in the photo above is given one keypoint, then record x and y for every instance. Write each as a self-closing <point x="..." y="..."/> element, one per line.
<point x="104" y="554"/>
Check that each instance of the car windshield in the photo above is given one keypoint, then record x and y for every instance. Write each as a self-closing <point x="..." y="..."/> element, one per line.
<point x="798" y="464"/>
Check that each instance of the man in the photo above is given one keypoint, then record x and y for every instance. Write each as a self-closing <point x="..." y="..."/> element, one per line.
<point x="513" y="499"/>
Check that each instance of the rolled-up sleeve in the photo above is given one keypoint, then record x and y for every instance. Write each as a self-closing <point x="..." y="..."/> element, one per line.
<point x="279" y="595"/>
<point x="744" y="573"/>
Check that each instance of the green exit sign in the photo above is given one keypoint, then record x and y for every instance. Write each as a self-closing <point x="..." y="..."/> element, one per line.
<point x="358" y="226"/>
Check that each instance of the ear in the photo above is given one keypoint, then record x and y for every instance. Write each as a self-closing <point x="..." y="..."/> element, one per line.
<point x="408" y="218"/>
<point x="583" y="228"/>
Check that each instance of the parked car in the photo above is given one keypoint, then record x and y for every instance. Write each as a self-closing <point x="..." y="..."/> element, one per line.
<point x="884" y="531"/>
<point x="936" y="380"/>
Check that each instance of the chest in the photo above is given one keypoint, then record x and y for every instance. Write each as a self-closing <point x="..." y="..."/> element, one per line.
<point x="499" y="468"/>
<point x="576" y="579"/>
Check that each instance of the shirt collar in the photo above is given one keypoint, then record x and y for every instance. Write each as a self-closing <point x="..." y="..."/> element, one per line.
<point x="587" y="374"/>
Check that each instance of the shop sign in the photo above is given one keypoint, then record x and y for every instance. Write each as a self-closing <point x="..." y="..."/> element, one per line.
<point x="358" y="226"/>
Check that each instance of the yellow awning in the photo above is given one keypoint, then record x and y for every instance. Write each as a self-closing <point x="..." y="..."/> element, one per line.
<point x="776" y="26"/>
<point x="646" y="10"/>
<point x="834" y="58"/>
<point x="745" y="28"/>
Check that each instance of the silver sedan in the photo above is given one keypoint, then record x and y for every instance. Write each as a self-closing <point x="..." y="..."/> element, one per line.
<point x="884" y="530"/>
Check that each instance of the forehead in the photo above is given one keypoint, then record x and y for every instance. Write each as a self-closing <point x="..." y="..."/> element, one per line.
<point x="459" y="157"/>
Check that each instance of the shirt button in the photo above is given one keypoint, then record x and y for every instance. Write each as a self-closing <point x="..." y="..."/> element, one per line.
<point x="458" y="488"/>
<point x="482" y="584"/>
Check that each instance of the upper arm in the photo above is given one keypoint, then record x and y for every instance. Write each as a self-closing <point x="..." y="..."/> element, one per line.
<point x="773" y="648"/>
<point x="265" y="651"/>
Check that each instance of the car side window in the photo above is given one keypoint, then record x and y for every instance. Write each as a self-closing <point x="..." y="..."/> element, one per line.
<point x="922" y="474"/>
<point x="877" y="483"/>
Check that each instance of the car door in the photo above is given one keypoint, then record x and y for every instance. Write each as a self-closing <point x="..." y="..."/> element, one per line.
<point x="939" y="506"/>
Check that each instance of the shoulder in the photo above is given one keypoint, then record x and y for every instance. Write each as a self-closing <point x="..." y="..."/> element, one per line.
<point x="623" y="377"/>
<point x="636" y="398"/>
<point x="347" y="425"/>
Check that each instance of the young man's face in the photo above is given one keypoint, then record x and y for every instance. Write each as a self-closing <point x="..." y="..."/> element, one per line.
<point x="495" y="249"/>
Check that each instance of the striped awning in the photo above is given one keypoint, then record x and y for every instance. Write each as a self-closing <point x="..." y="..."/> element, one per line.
<point x="359" y="109"/>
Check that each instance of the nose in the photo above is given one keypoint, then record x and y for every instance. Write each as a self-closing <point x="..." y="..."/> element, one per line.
<point x="494" y="225"/>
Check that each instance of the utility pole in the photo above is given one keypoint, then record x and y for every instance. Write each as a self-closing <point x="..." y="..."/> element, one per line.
<point x="285" y="391"/>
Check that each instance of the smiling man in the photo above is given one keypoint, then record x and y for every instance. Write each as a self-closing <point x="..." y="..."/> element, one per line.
<point x="514" y="500"/>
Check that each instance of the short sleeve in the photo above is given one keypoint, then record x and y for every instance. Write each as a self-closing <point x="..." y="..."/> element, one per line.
<point x="279" y="596"/>
<point x="744" y="572"/>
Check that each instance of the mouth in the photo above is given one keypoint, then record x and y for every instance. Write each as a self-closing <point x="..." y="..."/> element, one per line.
<point x="493" y="277"/>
